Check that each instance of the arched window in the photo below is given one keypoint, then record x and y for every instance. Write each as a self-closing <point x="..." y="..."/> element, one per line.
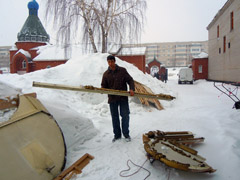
<point x="154" y="69"/>
<point x="24" y="64"/>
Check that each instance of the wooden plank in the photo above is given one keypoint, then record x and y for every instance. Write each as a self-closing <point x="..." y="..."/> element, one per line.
<point x="184" y="137"/>
<point x="139" y="89"/>
<point x="75" y="168"/>
<point x="144" y="89"/>
<point x="92" y="89"/>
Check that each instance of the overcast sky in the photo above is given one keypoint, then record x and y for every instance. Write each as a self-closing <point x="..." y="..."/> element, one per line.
<point x="166" y="20"/>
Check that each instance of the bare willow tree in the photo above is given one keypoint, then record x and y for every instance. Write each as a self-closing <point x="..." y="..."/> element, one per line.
<point x="101" y="21"/>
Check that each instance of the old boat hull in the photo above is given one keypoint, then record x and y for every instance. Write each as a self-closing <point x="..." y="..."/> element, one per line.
<point x="32" y="143"/>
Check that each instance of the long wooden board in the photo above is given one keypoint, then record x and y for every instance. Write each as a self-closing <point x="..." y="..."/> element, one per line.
<point x="92" y="89"/>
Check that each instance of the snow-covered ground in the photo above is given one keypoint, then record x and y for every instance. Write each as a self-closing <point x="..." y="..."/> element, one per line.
<point x="86" y="122"/>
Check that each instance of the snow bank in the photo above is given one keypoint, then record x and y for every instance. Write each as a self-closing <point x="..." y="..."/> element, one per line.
<point x="76" y="112"/>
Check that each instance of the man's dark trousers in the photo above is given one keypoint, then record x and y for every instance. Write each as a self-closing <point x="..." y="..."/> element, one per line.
<point x="124" y="112"/>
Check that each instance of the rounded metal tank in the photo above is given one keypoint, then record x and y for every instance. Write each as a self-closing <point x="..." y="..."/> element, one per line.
<point x="32" y="143"/>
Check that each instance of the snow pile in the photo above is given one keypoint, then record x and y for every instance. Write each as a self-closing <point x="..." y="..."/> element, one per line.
<point x="70" y="108"/>
<point x="8" y="90"/>
<point x="25" y="53"/>
<point x="81" y="70"/>
<point x="132" y="51"/>
<point x="50" y="52"/>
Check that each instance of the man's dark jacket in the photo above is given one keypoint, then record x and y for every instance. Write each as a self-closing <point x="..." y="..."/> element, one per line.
<point x="118" y="80"/>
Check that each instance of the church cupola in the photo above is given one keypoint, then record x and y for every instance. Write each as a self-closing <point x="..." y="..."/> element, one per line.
<point x="33" y="8"/>
<point x="33" y="30"/>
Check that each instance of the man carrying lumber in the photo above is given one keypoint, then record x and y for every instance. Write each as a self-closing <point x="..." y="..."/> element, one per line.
<point x="116" y="77"/>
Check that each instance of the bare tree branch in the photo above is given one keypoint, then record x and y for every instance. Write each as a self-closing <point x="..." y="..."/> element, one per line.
<point x="102" y="21"/>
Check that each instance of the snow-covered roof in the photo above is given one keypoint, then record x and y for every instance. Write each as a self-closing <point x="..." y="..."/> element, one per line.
<point x="132" y="51"/>
<point x="50" y="52"/>
<point x="25" y="53"/>
<point x="201" y="55"/>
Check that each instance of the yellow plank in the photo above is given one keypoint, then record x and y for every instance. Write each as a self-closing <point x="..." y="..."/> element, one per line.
<point x="92" y="89"/>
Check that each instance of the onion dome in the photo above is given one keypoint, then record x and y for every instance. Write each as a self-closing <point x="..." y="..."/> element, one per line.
<point x="33" y="30"/>
<point x="33" y="7"/>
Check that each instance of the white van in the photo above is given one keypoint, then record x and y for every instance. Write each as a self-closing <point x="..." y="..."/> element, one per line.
<point x="185" y="75"/>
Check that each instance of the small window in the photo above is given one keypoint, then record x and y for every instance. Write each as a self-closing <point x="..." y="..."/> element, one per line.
<point x="24" y="65"/>
<point x="231" y="21"/>
<point x="229" y="45"/>
<point x="224" y="44"/>
<point x="218" y="31"/>
<point x="219" y="50"/>
<point x="200" y="69"/>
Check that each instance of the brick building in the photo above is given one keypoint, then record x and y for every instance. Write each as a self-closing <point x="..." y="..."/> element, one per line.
<point x="133" y="55"/>
<point x="200" y="66"/>
<point x="24" y="57"/>
<point x="153" y="66"/>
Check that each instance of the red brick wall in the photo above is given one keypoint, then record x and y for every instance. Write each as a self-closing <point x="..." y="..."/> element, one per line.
<point x="195" y="67"/>
<point x="44" y="64"/>
<point x="138" y="61"/>
<point x="28" y="45"/>
<point x="16" y="62"/>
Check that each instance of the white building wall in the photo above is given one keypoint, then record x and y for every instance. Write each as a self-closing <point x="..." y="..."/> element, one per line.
<point x="225" y="66"/>
<point x="4" y="57"/>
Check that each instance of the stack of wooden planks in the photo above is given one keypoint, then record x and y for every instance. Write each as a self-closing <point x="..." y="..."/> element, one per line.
<point x="140" y="88"/>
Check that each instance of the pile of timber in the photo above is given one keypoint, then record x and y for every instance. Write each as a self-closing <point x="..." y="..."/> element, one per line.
<point x="140" y="88"/>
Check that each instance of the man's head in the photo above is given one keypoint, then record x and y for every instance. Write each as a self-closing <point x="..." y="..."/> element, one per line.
<point x="111" y="62"/>
<point x="111" y="57"/>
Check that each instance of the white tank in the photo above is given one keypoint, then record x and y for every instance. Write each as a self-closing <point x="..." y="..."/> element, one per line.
<point x="32" y="144"/>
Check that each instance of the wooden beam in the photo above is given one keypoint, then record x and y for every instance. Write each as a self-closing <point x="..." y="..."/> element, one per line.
<point x="92" y="89"/>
